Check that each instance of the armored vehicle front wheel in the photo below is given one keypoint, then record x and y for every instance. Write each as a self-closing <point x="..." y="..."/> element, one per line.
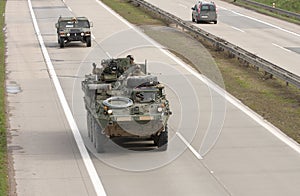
<point x="161" y="140"/>
<point x="88" y="42"/>
<point x="61" y="42"/>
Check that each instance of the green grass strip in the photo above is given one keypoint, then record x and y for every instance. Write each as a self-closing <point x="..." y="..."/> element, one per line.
<point x="3" y="145"/>
<point x="292" y="6"/>
<point x="289" y="5"/>
<point x="132" y="13"/>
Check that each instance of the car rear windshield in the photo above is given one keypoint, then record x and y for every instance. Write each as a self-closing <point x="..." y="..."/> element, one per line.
<point x="208" y="8"/>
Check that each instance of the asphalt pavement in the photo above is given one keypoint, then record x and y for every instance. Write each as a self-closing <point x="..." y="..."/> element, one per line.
<point x="217" y="146"/>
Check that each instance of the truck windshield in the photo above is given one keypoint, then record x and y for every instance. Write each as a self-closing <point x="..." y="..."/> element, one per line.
<point x="77" y="24"/>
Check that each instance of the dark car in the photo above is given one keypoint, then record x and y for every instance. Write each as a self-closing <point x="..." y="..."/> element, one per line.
<point x="73" y="29"/>
<point x="204" y="12"/>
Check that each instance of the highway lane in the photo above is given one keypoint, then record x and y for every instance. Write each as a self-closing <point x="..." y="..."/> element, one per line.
<point x="67" y="63"/>
<point x="46" y="160"/>
<point x="177" y="171"/>
<point x="274" y="40"/>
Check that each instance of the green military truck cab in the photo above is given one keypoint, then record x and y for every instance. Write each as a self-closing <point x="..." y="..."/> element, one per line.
<point x="73" y="29"/>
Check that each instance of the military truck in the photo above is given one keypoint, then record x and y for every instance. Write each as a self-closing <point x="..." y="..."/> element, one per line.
<point x="123" y="100"/>
<point x="73" y="29"/>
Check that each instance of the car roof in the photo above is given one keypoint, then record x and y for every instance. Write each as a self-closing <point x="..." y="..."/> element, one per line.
<point x="68" y="18"/>
<point x="206" y="2"/>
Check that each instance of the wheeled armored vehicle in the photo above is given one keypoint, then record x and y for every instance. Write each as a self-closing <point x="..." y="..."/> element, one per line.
<point x="123" y="100"/>
<point x="73" y="29"/>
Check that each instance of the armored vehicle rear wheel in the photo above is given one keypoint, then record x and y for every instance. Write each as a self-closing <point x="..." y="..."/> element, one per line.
<point x="88" y="42"/>
<point x="99" y="139"/>
<point x="92" y="127"/>
<point x="88" y="120"/>
<point x="62" y="43"/>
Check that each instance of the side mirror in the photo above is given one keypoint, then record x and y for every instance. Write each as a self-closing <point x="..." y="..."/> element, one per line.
<point x="91" y="24"/>
<point x="56" y="25"/>
<point x="193" y="8"/>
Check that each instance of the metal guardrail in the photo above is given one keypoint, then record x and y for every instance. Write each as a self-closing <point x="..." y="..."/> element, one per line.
<point x="224" y="45"/>
<point x="272" y="9"/>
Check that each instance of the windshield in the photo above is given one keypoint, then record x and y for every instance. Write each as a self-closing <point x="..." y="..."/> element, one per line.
<point x="76" y="24"/>
<point x="208" y="8"/>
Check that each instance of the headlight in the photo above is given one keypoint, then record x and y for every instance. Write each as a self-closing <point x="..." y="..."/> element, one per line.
<point x="82" y="34"/>
<point x="109" y="112"/>
<point x="159" y="109"/>
<point x="68" y="34"/>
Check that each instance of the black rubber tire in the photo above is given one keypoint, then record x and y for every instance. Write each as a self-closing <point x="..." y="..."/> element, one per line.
<point x="88" y="42"/>
<point x="100" y="139"/>
<point x="62" y="43"/>
<point x="215" y="22"/>
<point x="88" y="123"/>
<point x="92" y="136"/>
<point x="193" y="20"/>
<point x="162" y="140"/>
<point x="58" y="40"/>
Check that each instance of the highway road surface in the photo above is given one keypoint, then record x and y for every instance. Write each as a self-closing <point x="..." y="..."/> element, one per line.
<point x="217" y="146"/>
<point x="272" y="39"/>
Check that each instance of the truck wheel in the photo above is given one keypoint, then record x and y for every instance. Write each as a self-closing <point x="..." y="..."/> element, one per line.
<point x="215" y="22"/>
<point x="62" y="43"/>
<point x="88" y="122"/>
<point x="162" y="140"/>
<point x="193" y="20"/>
<point x="88" y="42"/>
<point x="58" y="40"/>
<point x="100" y="139"/>
<point x="92" y="132"/>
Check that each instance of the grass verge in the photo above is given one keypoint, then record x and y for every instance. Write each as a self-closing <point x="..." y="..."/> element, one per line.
<point x="3" y="146"/>
<point x="271" y="98"/>
<point x="131" y="13"/>
<point x="289" y="5"/>
<point x="292" y="6"/>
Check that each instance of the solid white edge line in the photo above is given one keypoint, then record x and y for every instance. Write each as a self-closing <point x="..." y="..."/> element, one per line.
<point x="264" y="123"/>
<point x="281" y="47"/>
<point x="99" y="189"/>
<point x="271" y="128"/>
<point x="263" y="22"/>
